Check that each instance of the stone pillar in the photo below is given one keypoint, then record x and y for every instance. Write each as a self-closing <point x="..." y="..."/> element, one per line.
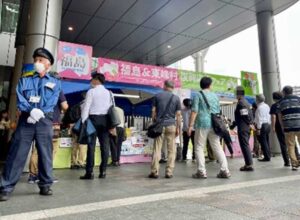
<point x="269" y="62"/>
<point x="43" y="28"/>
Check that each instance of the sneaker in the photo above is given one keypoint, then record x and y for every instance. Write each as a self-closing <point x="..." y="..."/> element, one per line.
<point x="295" y="168"/>
<point x="224" y="174"/>
<point x="247" y="168"/>
<point x="169" y="176"/>
<point x="32" y="179"/>
<point x="55" y="180"/>
<point x="199" y="175"/>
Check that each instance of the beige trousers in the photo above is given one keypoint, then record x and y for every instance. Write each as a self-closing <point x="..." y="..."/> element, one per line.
<point x="290" y="140"/>
<point x="33" y="164"/>
<point x="79" y="151"/>
<point x="169" y="135"/>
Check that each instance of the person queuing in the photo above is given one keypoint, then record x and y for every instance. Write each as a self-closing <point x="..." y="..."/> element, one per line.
<point x="186" y="114"/>
<point x="276" y="127"/>
<point x="96" y="105"/>
<point x="62" y="105"/>
<point x="263" y="127"/>
<point x="244" y="122"/>
<point x="201" y="120"/>
<point x="289" y="118"/>
<point x="37" y="96"/>
<point x="256" y="146"/>
<point x="168" y="103"/>
<point x="117" y="140"/>
<point x="5" y="125"/>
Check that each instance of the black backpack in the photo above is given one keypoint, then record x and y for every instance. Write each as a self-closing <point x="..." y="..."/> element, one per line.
<point x="72" y="115"/>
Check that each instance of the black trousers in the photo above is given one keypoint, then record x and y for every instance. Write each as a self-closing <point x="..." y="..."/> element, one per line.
<point x="244" y="136"/>
<point x="100" y="124"/>
<point x="186" y="140"/>
<point x="263" y="139"/>
<point x="228" y="142"/>
<point x="283" y="147"/>
<point x="116" y="144"/>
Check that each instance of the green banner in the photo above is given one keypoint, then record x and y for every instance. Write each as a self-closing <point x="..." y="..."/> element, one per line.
<point x="250" y="83"/>
<point x="222" y="84"/>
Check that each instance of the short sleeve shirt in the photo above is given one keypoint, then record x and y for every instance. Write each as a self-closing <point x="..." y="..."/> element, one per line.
<point x="57" y="108"/>
<point x="203" y="119"/>
<point x="275" y="111"/>
<point x="160" y="102"/>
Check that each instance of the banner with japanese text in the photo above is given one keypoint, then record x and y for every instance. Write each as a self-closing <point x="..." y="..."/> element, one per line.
<point x="250" y="83"/>
<point x="74" y="60"/>
<point x="221" y="84"/>
<point x="126" y="72"/>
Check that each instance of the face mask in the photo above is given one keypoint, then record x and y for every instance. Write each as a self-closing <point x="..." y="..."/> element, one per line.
<point x="39" y="67"/>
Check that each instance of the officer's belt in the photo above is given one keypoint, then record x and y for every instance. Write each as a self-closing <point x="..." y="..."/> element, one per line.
<point x="48" y="115"/>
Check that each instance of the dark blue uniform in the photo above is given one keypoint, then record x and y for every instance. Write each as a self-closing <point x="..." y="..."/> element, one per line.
<point x="32" y="92"/>
<point x="243" y="120"/>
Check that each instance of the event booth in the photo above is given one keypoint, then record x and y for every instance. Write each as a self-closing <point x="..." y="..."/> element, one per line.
<point x="133" y="86"/>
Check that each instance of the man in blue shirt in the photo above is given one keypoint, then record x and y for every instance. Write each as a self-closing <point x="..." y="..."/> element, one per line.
<point x="37" y="95"/>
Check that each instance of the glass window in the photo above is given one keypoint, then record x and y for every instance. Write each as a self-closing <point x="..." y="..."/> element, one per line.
<point x="9" y="17"/>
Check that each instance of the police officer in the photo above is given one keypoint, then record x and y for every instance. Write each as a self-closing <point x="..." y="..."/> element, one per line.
<point x="244" y="122"/>
<point x="37" y="95"/>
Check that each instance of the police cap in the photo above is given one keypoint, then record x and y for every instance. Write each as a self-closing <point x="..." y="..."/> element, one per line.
<point x="42" y="52"/>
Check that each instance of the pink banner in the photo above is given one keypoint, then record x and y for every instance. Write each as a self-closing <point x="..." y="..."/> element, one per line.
<point x="74" y="60"/>
<point x="119" y="71"/>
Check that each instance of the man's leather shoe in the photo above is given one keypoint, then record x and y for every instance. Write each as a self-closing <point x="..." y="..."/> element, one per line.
<point x="264" y="160"/>
<point x="46" y="191"/>
<point x="102" y="175"/>
<point x="87" y="176"/>
<point x="4" y="196"/>
<point x="168" y="176"/>
<point x="153" y="176"/>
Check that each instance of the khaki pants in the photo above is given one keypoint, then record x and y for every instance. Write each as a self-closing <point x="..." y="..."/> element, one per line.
<point x="79" y="151"/>
<point x="169" y="135"/>
<point x="290" y="139"/>
<point x="33" y="164"/>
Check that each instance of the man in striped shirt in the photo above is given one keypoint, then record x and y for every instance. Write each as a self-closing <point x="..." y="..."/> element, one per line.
<point x="290" y="120"/>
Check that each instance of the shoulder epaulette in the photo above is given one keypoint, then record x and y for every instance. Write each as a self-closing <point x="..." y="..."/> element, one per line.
<point x="27" y="74"/>
<point x="54" y="74"/>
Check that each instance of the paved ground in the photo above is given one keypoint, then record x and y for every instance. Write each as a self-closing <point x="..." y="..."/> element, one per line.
<point x="270" y="192"/>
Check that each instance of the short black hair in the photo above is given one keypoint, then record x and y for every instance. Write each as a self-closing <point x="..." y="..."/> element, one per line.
<point x="187" y="102"/>
<point x="287" y="90"/>
<point x="205" y="82"/>
<point x="277" y="95"/>
<point x="98" y="76"/>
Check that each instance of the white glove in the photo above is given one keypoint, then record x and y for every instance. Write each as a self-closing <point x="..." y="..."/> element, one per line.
<point x="37" y="114"/>
<point x="30" y="120"/>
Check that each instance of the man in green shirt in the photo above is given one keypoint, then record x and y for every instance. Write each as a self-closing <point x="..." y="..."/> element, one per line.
<point x="201" y="120"/>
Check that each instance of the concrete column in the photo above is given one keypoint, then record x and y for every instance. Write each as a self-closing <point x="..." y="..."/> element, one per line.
<point x="268" y="54"/>
<point x="19" y="45"/>
<point x="269" y="62"/>
<point x="199" y="60"/>
<point x="43" y="27"/>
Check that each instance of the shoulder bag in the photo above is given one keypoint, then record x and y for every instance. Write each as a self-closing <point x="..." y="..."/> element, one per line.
<point x="113" y="117"/>
<point x="156" y="129"/>
<point x="216" y="119"/>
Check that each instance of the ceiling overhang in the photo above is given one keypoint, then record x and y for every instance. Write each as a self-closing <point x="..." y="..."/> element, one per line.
<point x="158" y="32"/>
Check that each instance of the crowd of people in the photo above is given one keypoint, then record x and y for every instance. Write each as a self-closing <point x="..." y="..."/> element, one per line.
<point x="40" y="101"/>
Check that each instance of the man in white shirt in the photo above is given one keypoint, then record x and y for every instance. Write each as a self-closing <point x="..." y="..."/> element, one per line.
<point x="263" y="125"/>
<point x="96" y="105"/>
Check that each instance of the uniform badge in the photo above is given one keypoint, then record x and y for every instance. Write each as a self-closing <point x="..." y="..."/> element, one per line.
<point x="50" y="85"/>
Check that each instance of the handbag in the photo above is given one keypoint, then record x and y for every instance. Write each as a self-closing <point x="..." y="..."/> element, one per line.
<point x="218" y="124"/>
<point x="156" y="129"/>
<point x="113" y="116"/>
